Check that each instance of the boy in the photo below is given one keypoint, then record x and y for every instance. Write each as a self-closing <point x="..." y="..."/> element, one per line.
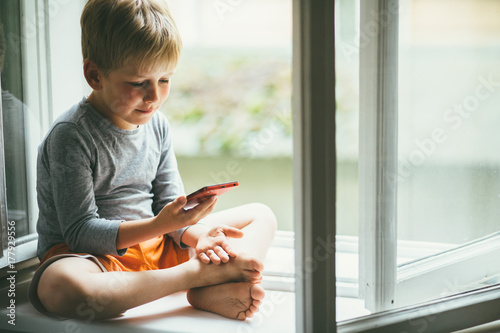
<point x="112" y="228"/>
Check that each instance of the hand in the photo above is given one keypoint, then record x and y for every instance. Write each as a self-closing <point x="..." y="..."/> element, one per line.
<point x="174" y="216"/>
<point x="213" y="245"/>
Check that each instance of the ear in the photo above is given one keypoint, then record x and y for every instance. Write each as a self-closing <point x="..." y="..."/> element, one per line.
<point x="92" y="74"/>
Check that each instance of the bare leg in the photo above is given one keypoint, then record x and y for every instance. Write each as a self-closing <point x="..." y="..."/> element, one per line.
<point x="257" y="222"/>
<point x="77" y="288"/>
<point x="238" y="300"/>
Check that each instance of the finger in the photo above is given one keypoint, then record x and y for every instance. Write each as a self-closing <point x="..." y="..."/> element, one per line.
<point x="203" y="209"/>
<point x="213" y="257"/>
<point x="232" y="232"/>
<point x="208" y="204"/>
<point x="204" y="258"/>
<point x="179" y="203"/>
<point x="229" y="250"/>
<point x="224" y="257"/>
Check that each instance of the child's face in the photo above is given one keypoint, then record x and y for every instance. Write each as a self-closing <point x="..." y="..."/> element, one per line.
<point x="130" y="96"/>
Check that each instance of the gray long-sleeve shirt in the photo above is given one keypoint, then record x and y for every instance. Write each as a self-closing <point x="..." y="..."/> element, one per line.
<point x="92" y="175"/>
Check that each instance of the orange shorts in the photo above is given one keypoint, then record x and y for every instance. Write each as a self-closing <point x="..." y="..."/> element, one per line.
<point x="157" y="253"/>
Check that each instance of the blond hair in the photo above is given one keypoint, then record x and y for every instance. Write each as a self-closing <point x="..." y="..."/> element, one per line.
<point x="116" y="33"/>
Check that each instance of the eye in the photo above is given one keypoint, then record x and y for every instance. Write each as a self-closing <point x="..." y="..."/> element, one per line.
<point x="165" y="81"/>
<point x="137" y="84"/>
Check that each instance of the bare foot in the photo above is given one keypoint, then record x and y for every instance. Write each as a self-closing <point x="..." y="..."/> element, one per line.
<point x="237" y="300"/>
<point x="242" y="268"/>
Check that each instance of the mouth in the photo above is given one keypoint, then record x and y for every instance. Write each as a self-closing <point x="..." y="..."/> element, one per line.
<point x="150" y="110"/>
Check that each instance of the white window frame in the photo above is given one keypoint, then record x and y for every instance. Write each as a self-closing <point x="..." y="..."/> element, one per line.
<point x="384" y="284"/>
<point x="313" y="86"/>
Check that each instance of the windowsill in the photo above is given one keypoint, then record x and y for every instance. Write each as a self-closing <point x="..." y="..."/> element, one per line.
<point x="174" y="314"/>
<point x="169" y="314"/>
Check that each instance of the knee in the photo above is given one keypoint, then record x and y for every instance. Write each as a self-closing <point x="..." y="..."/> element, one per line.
<point x="265" y="213"/>
<point x="60" y="292"/>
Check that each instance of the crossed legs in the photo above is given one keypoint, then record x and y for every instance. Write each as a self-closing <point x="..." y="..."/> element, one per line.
<point x="238" y="300"/>
<point x="77" y="288"/>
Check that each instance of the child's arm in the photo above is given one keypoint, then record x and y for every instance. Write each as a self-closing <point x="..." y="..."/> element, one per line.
<point x="66" y="199"/>
<point x="172" y="217"/>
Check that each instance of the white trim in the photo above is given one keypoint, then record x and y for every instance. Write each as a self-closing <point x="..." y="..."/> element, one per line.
<point x="378" y="153"/>
<point x="448" y="314"/>
<point x="284" y="239"/>
<point x="279" y="273"/>
<point x="23" y="251"/>
<point x="447" y="273"/>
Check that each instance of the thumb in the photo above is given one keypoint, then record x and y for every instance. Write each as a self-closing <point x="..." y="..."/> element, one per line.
<point x="232" y="232"/>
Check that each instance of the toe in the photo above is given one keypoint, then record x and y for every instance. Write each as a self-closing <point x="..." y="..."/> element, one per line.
<point x="258" y="265"/>
<point x="257" y="292"/>
<point x="256" y="302"/>
<point x="254" y="309"/>
<point x="242" y="315"/>
<point x="253" y="276"/>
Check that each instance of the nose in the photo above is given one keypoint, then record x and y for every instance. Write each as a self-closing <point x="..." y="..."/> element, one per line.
<point x="152" y="94"/>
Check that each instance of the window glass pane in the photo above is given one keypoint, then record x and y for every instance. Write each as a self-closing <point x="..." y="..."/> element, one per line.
<point x="449" y="97"/>
<point x="449" y="92"/>
<point x="14" y="117"/>
<point x="347" y="114"/>
<point x="347" y="140"/>
<point x="230" y="100"/>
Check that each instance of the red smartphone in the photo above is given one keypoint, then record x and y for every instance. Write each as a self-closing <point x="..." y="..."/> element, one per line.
<point x="206" y="192"/>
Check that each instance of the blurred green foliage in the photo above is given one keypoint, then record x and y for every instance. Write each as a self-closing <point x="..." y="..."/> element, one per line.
<point x="233" y="102"/>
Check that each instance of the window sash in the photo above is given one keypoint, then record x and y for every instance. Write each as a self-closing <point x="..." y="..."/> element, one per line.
<point x="378" y="219"/>
<point x="382" y="284"/>
<point x="470" y="266"/>
<point x="378" y="153"/>
<point x="447" y="314"/>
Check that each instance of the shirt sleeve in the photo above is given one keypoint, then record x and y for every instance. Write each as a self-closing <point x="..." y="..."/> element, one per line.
<point x="167" y="185"/>
<point x="69" y="156"/>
